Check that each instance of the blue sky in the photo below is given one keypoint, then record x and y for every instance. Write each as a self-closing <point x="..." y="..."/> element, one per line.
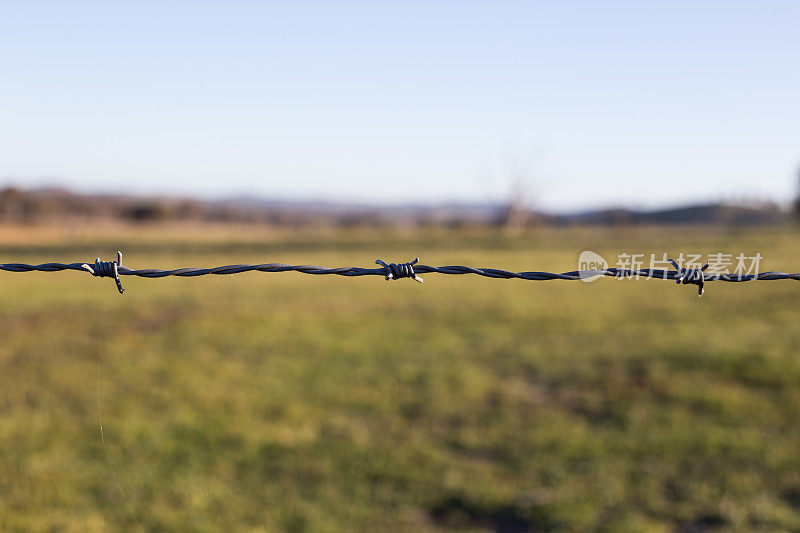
<point x="592" y="104"/>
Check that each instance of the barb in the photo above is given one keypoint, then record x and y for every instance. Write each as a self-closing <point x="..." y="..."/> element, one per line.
<point x="403" y="270"/>
<point x="691" y="276"/>
<point x="106" y="269"/>
<point x="680" y="275"/>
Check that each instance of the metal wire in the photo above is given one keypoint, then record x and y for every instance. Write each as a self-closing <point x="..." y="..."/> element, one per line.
<point x="113" y="269"/>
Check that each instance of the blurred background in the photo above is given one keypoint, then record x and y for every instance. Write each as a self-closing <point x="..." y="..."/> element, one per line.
<point x="511" y="135"/>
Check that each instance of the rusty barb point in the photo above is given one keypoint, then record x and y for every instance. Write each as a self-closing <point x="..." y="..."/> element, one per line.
<point x="106" y="269"/>
<point x="690" y="276"/>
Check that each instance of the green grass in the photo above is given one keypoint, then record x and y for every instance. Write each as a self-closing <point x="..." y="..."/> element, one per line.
<point x="295" y="402"/>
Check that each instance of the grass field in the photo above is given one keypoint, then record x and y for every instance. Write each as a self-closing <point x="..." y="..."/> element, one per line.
<point x="295" y="402"/>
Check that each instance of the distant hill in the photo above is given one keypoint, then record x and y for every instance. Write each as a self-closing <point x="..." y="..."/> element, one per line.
<point x="693" y="214"/>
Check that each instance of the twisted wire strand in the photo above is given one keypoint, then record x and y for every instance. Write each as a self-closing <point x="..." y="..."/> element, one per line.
<point x="397" y="271"/>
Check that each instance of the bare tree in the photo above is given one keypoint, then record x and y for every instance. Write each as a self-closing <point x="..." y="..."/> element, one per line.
<point x="517" y="211"/>
<point x="797" y="199"/>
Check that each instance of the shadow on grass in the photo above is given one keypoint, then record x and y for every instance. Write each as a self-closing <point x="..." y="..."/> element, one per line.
<point x="457" y="511"/>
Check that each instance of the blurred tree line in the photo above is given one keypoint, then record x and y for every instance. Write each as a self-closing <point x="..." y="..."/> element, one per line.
<point x="18" y="206"/>
<point x="45" y="206"/>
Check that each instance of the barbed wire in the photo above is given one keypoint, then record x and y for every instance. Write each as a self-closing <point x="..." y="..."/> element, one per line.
<point x="681" y="275"/>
